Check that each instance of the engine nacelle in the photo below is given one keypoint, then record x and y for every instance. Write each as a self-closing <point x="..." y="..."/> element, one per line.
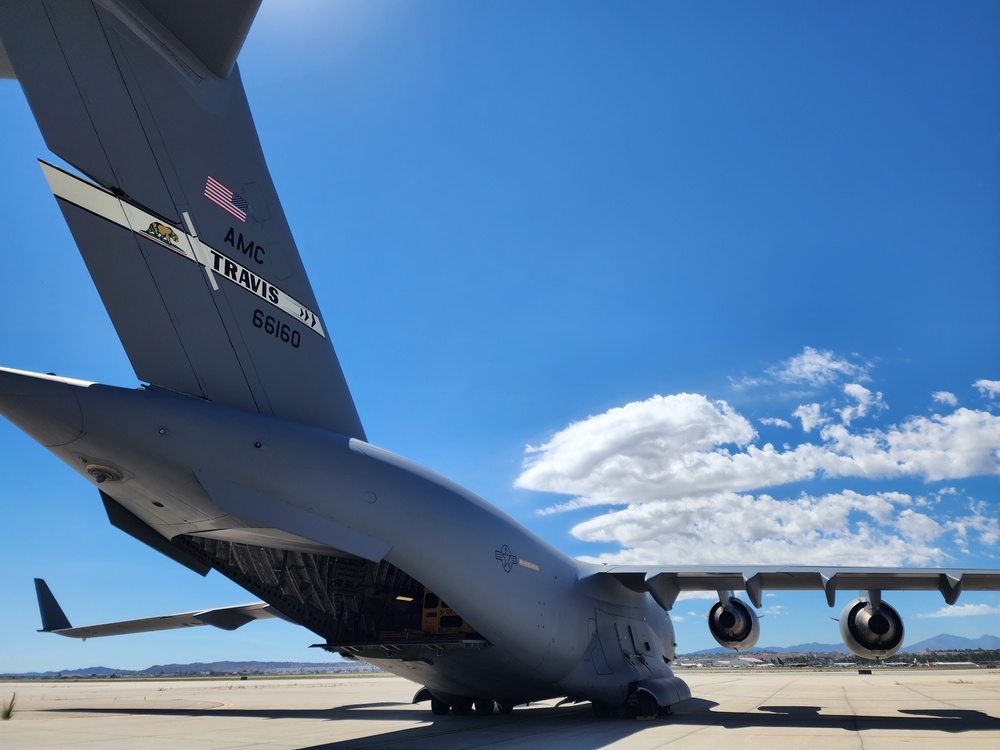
<point x="871" y="633"/>
<point x="734" y="625"/>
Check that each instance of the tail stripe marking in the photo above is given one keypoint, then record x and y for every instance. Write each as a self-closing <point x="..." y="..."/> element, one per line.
<point x="100" y="202"/>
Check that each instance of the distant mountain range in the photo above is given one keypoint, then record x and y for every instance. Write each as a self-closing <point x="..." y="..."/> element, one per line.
<point x="954" y="643"/>
<point x="214" y="668"/>
<point x="942" y="642"/>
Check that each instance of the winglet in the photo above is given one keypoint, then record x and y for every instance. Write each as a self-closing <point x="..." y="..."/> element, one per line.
<point x="53" y="618"/>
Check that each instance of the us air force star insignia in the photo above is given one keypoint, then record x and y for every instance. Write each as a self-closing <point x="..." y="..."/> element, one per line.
<point x="506" y="557"/>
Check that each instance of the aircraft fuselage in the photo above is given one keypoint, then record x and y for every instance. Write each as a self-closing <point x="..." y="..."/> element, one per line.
<point x="194" y="470"/>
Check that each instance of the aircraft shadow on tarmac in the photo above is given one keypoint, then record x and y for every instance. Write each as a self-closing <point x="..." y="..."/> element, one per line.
<point x="587" y="732"/>
<point x="809" y="716"/>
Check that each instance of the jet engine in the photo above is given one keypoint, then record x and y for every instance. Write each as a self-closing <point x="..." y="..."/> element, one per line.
<point x="733" y="624"/>
<point x="871" y="628"/>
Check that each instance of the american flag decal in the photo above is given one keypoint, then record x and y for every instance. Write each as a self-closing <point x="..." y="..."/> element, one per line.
<point x="226" y="199"/>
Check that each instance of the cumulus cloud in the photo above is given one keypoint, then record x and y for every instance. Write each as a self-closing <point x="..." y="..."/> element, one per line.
<point x="810" y="415"/>
<point x="962" y="444"/>
<point x="838" y="529"/>
<point x="673" y="447"/>
<point x="981" y="526"/>
<point x="685" y="477"/>
<point x="864" y="402"/>
<point x="946" y="398"/>
<point x="962" y="610"/>
<point x="640" y="449"/>
<point x="817" y="368"/>
<point x="989" y="388"/>
<point x="813" y="368"/>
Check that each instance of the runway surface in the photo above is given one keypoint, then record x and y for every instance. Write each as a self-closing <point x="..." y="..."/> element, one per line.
<point x="733" y="709"/>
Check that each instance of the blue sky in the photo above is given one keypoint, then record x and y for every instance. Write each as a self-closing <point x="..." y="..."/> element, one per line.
<point x="667" y="282"/>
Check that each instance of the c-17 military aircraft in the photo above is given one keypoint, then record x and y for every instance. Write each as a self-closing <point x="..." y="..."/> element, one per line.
<point x="244" y="452"/>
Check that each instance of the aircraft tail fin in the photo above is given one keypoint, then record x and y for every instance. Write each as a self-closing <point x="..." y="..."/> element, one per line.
<point x="53" y="618"/>
<point x="179" y="223"/>
<point x="213" y="33"/>
<point x="190" y="33"/>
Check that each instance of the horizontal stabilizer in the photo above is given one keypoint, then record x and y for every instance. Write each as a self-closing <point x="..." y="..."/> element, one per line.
<point x="226" y="618"/>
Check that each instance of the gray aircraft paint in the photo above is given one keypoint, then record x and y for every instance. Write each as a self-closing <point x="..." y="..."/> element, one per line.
<point x="246" y="453"/>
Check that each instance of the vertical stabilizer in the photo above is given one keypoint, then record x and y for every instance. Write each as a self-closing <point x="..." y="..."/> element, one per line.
<point x="178" y="222"/>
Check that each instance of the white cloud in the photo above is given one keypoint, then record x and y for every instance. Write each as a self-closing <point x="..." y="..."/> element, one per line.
<point x="962" y="444"/>
<point x="812" y="368"/>
<point x="748" y="382"/>
<point x="989" y="388"/>
<point x="846" y="528"/>
<point x="683" y="446"/>
<point x="706" y="595"/>
<point x="640" y="450"/>
<point x="962" y="610"/>
<point x="981" y="527"/>
<point x="811" y="416"/>
<point x="917" y="526"/>
<point x="817" y="368"/>
<point x="687" y="477"/>
<point x="864" y="400"/>
<point x="946" y="398"/>
<point x="776" y="422"/>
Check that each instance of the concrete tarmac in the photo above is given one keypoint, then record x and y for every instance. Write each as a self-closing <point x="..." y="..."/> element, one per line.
<point x="918" y="708"/>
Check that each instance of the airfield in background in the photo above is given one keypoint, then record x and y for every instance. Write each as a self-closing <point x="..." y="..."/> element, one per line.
<point x="735" y="709"/>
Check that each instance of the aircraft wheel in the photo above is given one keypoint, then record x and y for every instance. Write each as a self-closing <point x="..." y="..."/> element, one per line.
<point x="505" y="708"/>
<point x="439" y="707"/>
<point x="646" y="707"/>
<point x="483" y="708"/>
<point x="461" y="706"/>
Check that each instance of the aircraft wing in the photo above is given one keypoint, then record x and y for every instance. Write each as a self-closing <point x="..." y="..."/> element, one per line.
<point x="666" y="584"/>
<point x="226" y="618"/>
<point x="178" y="222"/>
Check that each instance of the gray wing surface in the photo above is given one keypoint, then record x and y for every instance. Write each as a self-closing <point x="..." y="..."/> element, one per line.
<point x="665" y="584"/>
<point x="225" y="618"/>
<point x="179" y="222"/>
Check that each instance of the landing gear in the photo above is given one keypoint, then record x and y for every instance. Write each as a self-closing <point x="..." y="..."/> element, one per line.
<point x="465" y="706"/>
<point x="646" y="708"/>
<point x="640" y="705"/>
